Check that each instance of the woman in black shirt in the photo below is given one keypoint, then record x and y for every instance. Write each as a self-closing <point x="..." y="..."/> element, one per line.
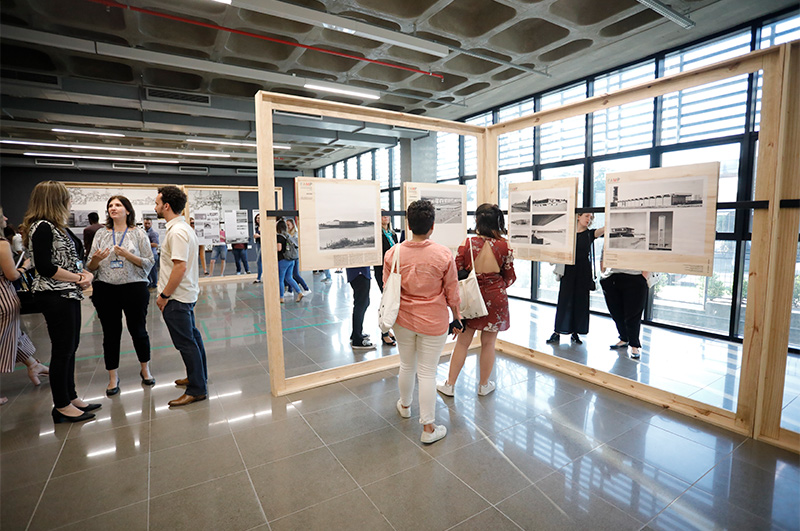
<point x="58" y="285"/>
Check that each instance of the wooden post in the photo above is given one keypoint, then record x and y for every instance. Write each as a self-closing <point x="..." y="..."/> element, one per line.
<point x="487" y="168"/>
<point x="269" y="245"/>
<point x="784" y="150"/>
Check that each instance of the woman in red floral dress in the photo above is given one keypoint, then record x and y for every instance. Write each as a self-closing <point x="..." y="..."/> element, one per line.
<point x="494" y="266"/>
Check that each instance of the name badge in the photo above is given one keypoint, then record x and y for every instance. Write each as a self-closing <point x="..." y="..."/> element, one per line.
<point x="117" y="264"/>
<point x="79" y="266"/>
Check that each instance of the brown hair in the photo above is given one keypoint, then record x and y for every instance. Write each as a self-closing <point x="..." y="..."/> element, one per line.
<point x="130" y="218"/>
<point x="489" y="221"/>
<point x="49" y="201"/>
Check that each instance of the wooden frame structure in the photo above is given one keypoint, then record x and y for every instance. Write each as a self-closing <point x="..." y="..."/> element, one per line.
<point x="773" y="250"/>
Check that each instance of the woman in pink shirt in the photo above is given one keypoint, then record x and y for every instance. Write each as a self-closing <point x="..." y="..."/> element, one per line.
<point x="429" y="286"/>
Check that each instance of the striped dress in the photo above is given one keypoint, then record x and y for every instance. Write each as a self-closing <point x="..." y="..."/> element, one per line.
<point x="15" y="345"/>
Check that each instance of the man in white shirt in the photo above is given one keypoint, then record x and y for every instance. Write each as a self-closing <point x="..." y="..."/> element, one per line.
<point x="178" y="290"/>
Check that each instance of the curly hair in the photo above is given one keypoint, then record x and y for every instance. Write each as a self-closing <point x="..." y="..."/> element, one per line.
<point x="174" y="197"/>
<point x="420" y="216"/>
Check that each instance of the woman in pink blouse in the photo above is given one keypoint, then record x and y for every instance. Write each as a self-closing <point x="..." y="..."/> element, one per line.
<point x="429" y="286"/>
<point x="494" y="265"/>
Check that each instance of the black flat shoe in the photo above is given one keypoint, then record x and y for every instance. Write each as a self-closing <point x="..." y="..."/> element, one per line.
<point x="89" y="407"/>
<point x="59" y="417"/>
<point x="147" y="381"/>
<point x="114" y="390"/>
<point x="555" y="338"/>
<point x="576" y="339"/>
<point x="619" y="345"/>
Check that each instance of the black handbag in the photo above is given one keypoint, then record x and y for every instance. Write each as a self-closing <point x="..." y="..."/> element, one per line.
<point x="27" y="300"/>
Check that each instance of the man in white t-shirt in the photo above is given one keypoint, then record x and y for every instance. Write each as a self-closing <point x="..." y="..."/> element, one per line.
<point x="177" y="293"/>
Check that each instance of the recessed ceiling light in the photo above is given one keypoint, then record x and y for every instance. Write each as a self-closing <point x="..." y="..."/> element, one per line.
<point x="336" y="90"/>
<point x="221" y="142"/>
<point x="77" y="132"/>
<point x="99" y="157"/>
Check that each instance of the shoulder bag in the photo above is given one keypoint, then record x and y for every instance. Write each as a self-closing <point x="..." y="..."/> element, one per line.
<point x="472" y="304"/>
<point x="390" y="300"/>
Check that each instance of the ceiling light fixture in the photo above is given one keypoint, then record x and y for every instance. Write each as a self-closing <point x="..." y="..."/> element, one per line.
<point x="669" y="13"/>
<point x="98" y="157"/>
<point x="117" y="148"/>
<point x="336" y="90"/>
<point x="77" y="132"/>
<point x="228" y="2"/>
<point x="225" y="143"/>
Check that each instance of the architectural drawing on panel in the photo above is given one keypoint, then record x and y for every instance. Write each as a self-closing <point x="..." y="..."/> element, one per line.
<point x="548" y="229"/>
<point x="634" y="200"/>
<point x="661" y="231"/>
<point x="346" y="216"/>
<point x="627" y="230"/>
<point x="522" y="206"/>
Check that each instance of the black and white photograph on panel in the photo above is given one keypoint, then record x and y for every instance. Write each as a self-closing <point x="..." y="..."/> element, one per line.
<point x="660" y="230"/>
<point x="662" y="219"/>
<point x="627" y="230"/>
<point x="345" y="219"/>
<point x="450" y="202"/>
<point x="541" y="220"/>
<point x="339" y="222"/>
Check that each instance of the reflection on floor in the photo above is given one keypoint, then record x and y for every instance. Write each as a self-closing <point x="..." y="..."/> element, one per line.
<point x="544" y="451"/>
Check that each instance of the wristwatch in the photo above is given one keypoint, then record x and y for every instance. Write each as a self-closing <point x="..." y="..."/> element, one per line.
<point x="163" y="296"/>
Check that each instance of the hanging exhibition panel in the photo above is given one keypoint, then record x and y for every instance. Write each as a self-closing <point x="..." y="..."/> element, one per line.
<point x="541" y="220"/>
<point x="662" y="219"/>
<point x="206" y="226"/>
<point x="91" y="198"/>
<point x="450" y="202"/>
<point x="212" y="199"/>
<point x="339" y="223"/>
<point x="236" y="226"/>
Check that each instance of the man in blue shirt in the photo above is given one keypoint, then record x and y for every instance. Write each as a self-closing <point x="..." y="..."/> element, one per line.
<point x="153" y="235"/>
<point x="359" y="279"/>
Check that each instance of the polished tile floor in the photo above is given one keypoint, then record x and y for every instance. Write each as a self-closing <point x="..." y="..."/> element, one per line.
<point x="544" y="451"/>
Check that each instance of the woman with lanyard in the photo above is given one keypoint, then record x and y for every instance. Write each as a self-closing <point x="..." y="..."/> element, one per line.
<point x="388" y="239"/>
<point x="121" y="259"/>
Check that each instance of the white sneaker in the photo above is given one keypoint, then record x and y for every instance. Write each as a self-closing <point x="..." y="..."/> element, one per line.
<point x="484" y="390"/>
<point x="405" y="412"/>
<point x="438" y="433"/>
<point x="445" y="389"/>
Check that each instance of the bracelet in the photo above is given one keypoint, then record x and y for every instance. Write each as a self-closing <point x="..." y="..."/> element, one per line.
<point x="80" y="278"/>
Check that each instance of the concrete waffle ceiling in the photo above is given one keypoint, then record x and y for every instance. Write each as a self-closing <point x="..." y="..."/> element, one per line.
<point x="167" y="71"/>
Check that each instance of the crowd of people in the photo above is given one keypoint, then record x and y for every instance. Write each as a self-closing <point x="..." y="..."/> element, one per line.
<point x="120" y="261"/>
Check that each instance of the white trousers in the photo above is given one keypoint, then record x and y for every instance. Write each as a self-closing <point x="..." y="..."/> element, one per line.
<point x="419" y="354"/>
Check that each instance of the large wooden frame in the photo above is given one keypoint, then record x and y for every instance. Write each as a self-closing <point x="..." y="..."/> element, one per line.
<point x="773" y="250"/>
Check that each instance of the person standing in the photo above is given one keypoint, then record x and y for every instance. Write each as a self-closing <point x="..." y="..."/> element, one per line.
<point x="494" y="267"/>
<point x="152" y="235"/>
<point x="428" y="287"/>
<point x="219" y="250"/>
<point x="292" y="232"/>
<point x="178" y="289"/>
<point x="240" y="257"/>
<point x="359" y="277"/>
<point x="388" y="240"/>
<point x="15" y="345"/>
<point x="201" y="250"/>
<point x="286" y="254"/>
<point x="625" y="291"/>
<point x="257" y="245"/>
<point x="572" y="312"/>
<point x="121" y="258"/>
<point x="89" y="232"/>
<point x="58" y="288"/>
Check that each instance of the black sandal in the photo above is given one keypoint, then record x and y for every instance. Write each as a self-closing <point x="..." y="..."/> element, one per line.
<point x="391" y="343"/>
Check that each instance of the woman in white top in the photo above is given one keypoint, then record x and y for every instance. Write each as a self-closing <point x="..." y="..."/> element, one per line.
<point x="121" y="258"/>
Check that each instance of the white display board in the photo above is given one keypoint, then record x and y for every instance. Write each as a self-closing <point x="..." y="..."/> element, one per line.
<point x="206" y="226"/>
<point x="339" y="223"/>
<point x="210" y="199"/>
<point x="86" y="199"/>
<point x="450" y="202"/>
<point x="662" y="219"/>
<point x="236" y="226"/>
<point x="541" y="220"/>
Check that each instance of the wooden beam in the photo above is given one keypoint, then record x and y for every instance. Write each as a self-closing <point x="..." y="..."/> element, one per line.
<point x="686" y="406"/>
<point x="269" y="246"/>
<point x="297" y="104"/>
<point x="782" y="245"/>
<point x="744" y="64"/>
<point x="353" y="370"/>
<point x="487" y="163"/>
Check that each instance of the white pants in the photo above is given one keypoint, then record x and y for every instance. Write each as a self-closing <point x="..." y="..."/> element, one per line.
<point x="423" y="350"/>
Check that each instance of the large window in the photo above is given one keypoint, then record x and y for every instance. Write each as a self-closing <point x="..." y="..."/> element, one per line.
<point x="446" y="156"/>
<point x="365" y="167"/>
<point x="563" y="139"/>
<point x="471" y="144"/>
<point x="515" y="149"/>
<point x="624" y="127"/>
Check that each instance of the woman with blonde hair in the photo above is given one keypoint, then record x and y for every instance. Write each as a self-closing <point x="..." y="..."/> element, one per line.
<point x="121" y="257"/>
<point x="58" y="288"/>
<point x="15" y="345"/>
<point x="490" y="256"/>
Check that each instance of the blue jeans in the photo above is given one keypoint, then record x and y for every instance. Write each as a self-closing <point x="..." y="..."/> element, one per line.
<point x="240" y="257"/>
<point x="152" y="277"/>
<point x="297" y="278"/>
<point x="258" y="260"/>
<point x="285" y="268"/>
<point x="179" y="318"/>
<point x="327" y="274"/>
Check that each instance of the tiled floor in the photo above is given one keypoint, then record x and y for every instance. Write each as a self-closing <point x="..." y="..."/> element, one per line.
<point x="544" y="451"/>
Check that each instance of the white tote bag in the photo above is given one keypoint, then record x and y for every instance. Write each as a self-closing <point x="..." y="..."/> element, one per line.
<point x="472" y="304"/>
<point x="390" y="300"/>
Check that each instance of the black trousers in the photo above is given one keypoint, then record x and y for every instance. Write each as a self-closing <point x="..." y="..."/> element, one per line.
<point x="379" y="276"/>
<point x="626" y="296"/>
<point x="63" y="318"/>
<point x="110" y="301"/>
<point x="360" y="286"/>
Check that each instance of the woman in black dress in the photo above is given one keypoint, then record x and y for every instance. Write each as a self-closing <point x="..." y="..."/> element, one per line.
<point x="572" y="313"/>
